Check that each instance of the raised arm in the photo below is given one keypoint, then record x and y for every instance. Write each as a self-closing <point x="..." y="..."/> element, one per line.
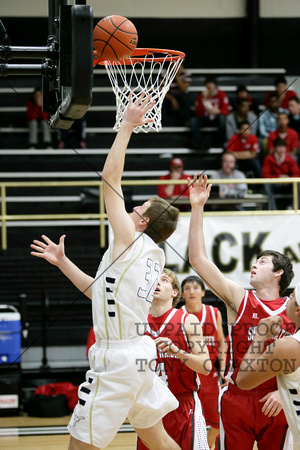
<point x="228" y="291"/>
<point x="55" y="254"/>
<point x="121" y="223"/>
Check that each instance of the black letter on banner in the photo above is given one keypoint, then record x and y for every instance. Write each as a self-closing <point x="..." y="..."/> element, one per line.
<point x="251" y="251"/>
<point x="226" y="268"/>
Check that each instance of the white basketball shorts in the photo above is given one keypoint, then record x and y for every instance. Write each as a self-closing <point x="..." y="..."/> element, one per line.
<point x="121" y="383"/>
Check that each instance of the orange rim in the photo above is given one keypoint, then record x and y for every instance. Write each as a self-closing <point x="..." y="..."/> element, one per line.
<point x="138" y="55"/>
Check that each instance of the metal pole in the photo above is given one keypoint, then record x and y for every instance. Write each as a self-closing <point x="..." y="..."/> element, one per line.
<point x="26" y="52"/>
<point x="23" y="69"/>
<point x="3" y="214"/>
<point x="253" y="19"/>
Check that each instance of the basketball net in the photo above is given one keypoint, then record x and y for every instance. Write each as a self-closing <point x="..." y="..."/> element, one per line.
<point x="147" y="70"/>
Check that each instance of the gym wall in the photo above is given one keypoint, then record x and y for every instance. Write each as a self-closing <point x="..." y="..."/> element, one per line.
<point x="212" y="33"/>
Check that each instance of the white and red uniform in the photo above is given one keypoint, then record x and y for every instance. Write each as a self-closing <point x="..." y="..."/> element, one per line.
<point x="209" y="390"/>
<point x="186" y="424"/>
<point x="218" y="100"/>
<point x="242" y="421"/>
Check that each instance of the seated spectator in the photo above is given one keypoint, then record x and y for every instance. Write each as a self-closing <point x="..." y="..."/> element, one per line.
<point x="242" y="113"/>
<point x="294" y="114"/>
<point x="283" y="93"/>
<point x="242" y="92"/>
<point x="78" y="127"/>
<point x="35" y="117"/>
<point x="267" y="121"/>
<point x="284" y="132"/>
<point x="245" y="147"/>
<point x="177" y="100"/>
<point x="211" y="107"/>
<point x="279" y="164"/>
<point x="175" y="191"/>
<point x="229" y="171"/>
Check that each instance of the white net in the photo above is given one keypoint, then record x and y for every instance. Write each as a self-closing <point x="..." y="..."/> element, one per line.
<point x="151" y="74"/>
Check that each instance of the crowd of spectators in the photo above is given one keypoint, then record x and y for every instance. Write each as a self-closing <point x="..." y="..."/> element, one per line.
<point x="250" y="132"/>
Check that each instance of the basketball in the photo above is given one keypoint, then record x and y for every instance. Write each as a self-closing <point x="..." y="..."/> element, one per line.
<point x="115" y="38"/>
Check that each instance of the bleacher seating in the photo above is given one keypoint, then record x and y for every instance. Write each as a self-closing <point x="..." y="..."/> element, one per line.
<point x="101" y="115"/>
<point x="148" y="157"/>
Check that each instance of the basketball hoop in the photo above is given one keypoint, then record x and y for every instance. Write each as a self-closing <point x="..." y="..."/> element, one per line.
<point x="147" y="70"/>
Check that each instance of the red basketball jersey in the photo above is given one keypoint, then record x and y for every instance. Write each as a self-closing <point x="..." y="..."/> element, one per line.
<point x="208" y="317"/>
<point x="178" y="377"/>
<point x="242" y="332"/>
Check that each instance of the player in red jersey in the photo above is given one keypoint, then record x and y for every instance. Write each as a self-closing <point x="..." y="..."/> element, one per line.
<point x="193" y="291"/>
<point x="254" y="415"/>
<point x="181" y="353"/>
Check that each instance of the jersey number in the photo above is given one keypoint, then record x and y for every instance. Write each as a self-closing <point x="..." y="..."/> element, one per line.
<point x="161" y="372"/>
<point x="151" y="280"/>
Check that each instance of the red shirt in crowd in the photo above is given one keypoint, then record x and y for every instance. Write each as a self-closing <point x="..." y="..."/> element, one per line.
<point x="272" y="168"/>
<point x="291" y="138"/>
<point x="219" y="100"/>
<point x="238" y="143"/>
<point x="35" y="112"/>
<point x="284" y="104"/>
<point x="181" y="190"/>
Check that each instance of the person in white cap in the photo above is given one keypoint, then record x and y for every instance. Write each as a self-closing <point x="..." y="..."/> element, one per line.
<point x="282" y="358"/>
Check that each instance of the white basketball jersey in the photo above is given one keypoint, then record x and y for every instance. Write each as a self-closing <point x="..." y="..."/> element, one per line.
<point x="123" y="290"/>
<point x="289" y="390"/>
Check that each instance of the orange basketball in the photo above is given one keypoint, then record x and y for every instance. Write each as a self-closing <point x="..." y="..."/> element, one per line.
<point x="115" y="38"/>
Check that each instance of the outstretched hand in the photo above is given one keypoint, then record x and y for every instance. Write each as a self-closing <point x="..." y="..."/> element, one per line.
<point x="199" y="190"/>
<point x="48" y="250"/>
<point x="135" y="112"/>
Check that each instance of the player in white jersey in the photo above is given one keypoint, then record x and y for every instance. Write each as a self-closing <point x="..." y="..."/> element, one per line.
<point x="281" y="358"/>
<point x="122" y="292"/>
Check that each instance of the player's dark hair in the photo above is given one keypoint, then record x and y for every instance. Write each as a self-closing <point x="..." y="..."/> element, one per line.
<point x="279" y="80"/>
<point x="245" y="122"/>
<point x="192" y="279"/>
<point x="279" y="142"/>
<point x="280" y="261"/>
<point x="273" y="94"/>
<point x="241" y="88"/>
<point x="294" y="99"/>
<point x="240" y="101"/>
<point x="175" y="285"/>
<point x="163" y="219"/>
<point x="210" y="79"/>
